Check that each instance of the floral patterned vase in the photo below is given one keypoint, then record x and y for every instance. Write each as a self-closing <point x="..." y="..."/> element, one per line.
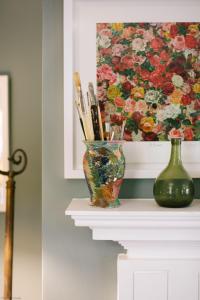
<point x="174" y="187"/>
<point x="104" y="166"/>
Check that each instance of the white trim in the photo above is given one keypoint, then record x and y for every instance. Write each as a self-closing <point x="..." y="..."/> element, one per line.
<point x="4" y="108"/>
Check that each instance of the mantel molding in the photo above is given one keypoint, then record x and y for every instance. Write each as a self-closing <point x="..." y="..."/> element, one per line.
<point x="139" y="222"/>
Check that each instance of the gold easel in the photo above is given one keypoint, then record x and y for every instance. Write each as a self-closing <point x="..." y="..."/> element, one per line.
<point x="18" y="157"/>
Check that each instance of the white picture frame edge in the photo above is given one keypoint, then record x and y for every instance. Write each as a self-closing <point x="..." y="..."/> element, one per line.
<point x="4" y="86"/>
<point x="145" y="170"/>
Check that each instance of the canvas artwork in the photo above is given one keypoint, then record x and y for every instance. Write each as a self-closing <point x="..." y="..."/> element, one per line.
<point x="148" y="75"/>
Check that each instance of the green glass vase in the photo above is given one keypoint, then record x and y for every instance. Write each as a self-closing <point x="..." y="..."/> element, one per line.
<point x="174" y="186"/>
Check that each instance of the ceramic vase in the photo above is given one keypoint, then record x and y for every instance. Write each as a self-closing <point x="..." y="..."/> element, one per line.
<point x="104" y="166"/>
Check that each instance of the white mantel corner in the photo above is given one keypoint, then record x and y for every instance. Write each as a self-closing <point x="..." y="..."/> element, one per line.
<point x="162" y="260"/>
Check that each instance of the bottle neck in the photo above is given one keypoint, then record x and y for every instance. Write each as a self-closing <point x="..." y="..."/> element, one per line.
<point x="175" y="158"/>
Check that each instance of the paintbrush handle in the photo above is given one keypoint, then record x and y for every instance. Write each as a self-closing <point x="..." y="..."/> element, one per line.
<point x="100" y="124"/>
<point x="82" y="128"/>
<point x="95" y="122"/>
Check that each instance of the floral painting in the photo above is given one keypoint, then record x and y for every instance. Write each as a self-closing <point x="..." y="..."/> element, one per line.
<point x="148" y="78"/>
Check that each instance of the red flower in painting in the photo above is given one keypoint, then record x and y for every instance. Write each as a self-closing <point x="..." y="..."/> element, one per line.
<point x="188" y="134"/>
<point x="127" y="61"/>
<point x="149" y="136"/>
<point x="154" y="60"/>
<point x="137" y="116"/>
<point x="167" y="87"/>
<point x="127" y="86"/>
<point x="190" y="41"/>
<point x="115" y="60"/>
<point x="173" y="30"/>
<point x="119" y="102"/>
<point x="186" y="99"/>
<point x="117" y="119"/>
<point x="156" y="44"/>
<point x="144" y="74"/>
<point x="127" y="135"/>
<point x="164" y="56"/>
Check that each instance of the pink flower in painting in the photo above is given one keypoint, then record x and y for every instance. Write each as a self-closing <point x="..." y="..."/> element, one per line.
<point x="127" y="61"/>
<point x="138" y="44"/>
<point x="128" y="32"/>
<point x="101" y="93"/>
<point x="175" y="133"/>
<point x="139" y="59"/>
<point x="141" y="106"/>
<point x="186" y="88"/>
<point x="179" y="42"/>
<point x="156" y="44"/>
<point x="117" y="49"/>
<point x="105" y="51"/>
<point x="116" y="60"/>
<point x="130" y="106"/>
<point x="158" y="128"/>
<point x="166" y="26"/>
<point x="106" y="32"/>
<point x="148" y="35"/>
<point x="101" y="26"/>
<point x="105" y="72"/>
<point x="188" y="134"/>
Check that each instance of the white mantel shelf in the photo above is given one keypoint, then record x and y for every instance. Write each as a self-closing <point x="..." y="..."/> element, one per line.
<point x="163" y="246"/>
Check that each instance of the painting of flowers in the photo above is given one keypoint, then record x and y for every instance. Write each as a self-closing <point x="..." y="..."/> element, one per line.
<point x="148" y="76"/>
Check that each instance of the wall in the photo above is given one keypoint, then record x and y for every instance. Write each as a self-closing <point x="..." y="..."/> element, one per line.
<point x="21" y="56"/>
<point x="74" y="266"/>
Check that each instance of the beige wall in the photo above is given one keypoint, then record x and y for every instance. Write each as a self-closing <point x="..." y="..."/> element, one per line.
<point x="21" y="57"/>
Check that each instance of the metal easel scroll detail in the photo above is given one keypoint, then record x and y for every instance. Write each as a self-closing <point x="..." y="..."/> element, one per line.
<point x="18" y="158"/>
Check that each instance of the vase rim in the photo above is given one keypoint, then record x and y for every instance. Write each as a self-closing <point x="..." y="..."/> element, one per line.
<point x="99" y="142"/>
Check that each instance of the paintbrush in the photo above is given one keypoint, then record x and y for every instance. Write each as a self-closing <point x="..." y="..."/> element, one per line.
<point x="94" y="112"/>
<point x="107" y="131"/>
<point x="80" y="118"/>
<point x="122" y="130"/>
<point x="85" y="115"/>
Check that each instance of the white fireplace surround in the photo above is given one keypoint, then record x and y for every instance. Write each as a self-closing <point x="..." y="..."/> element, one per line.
<point x="162" y="260"/>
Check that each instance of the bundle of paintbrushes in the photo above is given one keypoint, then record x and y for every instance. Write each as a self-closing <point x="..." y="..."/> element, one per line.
<point x="90" y="115"/>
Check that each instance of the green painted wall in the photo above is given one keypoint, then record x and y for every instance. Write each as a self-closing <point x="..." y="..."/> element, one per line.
<point x="75" y="266"/>
<point x="21" y="56"/>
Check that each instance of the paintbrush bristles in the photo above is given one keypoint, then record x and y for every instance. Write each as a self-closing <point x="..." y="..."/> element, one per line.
<point x="77" y="80"/>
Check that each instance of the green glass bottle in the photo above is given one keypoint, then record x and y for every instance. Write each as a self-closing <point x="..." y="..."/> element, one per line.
<point x="174" y="187"/>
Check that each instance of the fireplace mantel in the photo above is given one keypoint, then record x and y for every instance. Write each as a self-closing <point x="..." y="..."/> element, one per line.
<point x="162" y="260"/>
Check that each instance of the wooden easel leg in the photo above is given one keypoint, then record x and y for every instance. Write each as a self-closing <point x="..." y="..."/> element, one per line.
<point x="8" y="246"/>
